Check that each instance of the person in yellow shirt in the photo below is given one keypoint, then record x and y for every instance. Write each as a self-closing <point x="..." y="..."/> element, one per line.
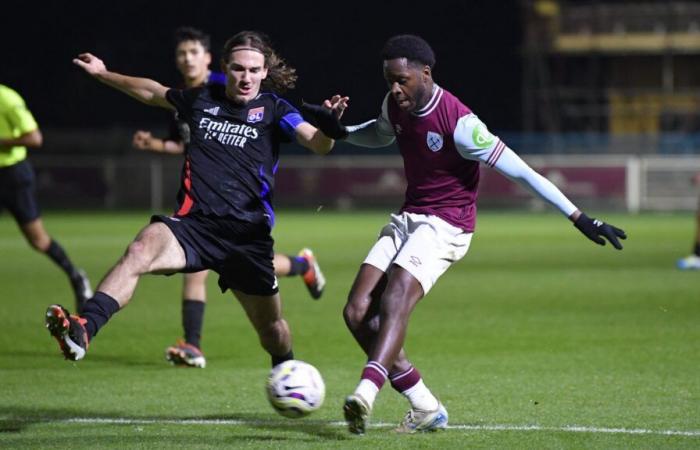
<point x="19" y="130"/>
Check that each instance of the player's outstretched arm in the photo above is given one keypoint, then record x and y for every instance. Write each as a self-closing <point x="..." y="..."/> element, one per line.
<point x="312" y="138"/>
<point x="32" y="139"/>
<point x="374" y="133"/>
<point x="474" y="141"/>
<point x="327" y="116"/>
<point x="512" y="166"/>
<point x="596" y="230"/>
<point x="142" y="89"/>
<point x="320" y="139"/>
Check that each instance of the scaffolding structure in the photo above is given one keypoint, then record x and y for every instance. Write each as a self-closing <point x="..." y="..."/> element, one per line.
<point x="619" y="68"/>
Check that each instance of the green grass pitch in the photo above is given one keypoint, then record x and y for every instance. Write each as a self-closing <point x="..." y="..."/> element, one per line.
<point x="536" y="339"/>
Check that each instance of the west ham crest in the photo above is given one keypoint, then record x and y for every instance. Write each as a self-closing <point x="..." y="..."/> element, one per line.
<point x="256" y="114"/>
<point x="434" y="141"/>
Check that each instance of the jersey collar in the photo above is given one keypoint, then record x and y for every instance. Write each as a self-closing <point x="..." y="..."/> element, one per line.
<point x="432" y="103"/>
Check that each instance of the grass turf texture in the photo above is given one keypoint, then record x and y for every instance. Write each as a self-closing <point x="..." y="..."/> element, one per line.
<point x="536" y="326"/>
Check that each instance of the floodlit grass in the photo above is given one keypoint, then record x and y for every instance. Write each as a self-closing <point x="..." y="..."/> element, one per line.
<point x="536" y="327"/>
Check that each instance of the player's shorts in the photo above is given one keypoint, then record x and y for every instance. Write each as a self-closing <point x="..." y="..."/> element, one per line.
<point x="240" y="252"/>
<point x="424" y="245"/>
<point x="18" y="192"/>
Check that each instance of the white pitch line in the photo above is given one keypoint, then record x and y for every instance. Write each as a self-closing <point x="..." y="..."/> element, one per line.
<point x="464" y="427"/>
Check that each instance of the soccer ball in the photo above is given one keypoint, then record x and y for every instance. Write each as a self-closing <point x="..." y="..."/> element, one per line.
<point x="295" y="388"/>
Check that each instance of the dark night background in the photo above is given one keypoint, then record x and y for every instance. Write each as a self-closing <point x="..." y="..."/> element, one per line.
<point x="334" y="46"/>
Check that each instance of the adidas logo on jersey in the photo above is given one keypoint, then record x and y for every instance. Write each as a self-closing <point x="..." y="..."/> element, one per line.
<point x="213" y="111"/>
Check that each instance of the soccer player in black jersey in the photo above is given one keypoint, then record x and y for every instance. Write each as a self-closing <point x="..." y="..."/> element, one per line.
<point x="225" y="213"/>
<point x="192" y="58"/>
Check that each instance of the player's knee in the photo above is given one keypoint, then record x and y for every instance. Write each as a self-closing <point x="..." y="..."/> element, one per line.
<point x="136" y="256"/>
<point x="39" y="243"/>
<point x="273" y="329"/>
<point x="353" y="315"/>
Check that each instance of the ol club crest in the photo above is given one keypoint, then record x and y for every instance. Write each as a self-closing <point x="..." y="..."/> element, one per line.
<point x="256" y="114"/>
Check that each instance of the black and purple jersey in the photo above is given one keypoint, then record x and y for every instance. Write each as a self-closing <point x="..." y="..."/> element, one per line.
<point x="233" y="152"/>
<point x="178" y="130"/>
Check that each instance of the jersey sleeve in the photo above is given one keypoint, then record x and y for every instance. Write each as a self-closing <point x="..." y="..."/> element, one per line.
<point x="289" y="118"/>
<point x="182" y="100"/>
<point x="373" y="133"/>
<point x="474" y="141"/>
<point x="19" y="115"/>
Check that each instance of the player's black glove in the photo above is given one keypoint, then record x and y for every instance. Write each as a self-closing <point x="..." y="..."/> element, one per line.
<point x="594" y="229"/>
<point x="325" y="120"/>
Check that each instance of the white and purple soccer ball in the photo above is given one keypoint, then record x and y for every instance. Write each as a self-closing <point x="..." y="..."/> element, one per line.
<point x="295" y="389"/>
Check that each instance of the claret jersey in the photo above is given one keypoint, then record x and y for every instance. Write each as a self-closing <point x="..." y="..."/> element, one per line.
<point x="440" y="181"/>
<point x="442" y="145"/>
<point x="233" y="152"/>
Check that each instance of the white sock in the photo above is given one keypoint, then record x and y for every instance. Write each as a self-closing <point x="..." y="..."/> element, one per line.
<point x="421" y="397"/>
<point x="367" y="390"/>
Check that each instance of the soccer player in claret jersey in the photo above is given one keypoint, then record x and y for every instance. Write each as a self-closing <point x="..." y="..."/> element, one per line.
<point x="192" y="58"/>
<point x="442" y="142"/>
<point x="225" y="215"/>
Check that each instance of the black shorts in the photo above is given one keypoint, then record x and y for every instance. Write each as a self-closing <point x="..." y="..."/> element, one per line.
<point x="17" y="192"/>
<point x="240" y="252"/>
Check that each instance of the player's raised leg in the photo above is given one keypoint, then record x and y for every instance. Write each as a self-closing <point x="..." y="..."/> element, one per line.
<point x="155" y="250"/>
<point x="305" y="265"/>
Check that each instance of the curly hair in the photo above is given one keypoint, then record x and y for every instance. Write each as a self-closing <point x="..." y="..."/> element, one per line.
<point x="414" y="48"/>
<point x="280" y="76"/>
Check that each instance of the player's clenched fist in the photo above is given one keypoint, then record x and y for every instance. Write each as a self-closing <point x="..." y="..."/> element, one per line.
<point x="90" y="63"/>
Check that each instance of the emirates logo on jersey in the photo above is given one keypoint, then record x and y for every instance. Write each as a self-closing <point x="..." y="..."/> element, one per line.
<point x="256" y="114"/>
<point x="434" y="141"/>
<point x="227" y="133"/>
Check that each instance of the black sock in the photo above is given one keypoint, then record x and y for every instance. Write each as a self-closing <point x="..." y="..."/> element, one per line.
<point x="97" y="312"/>
<point x="280" y="359"/>
<point x="58" y="255"/>
<point x="299" y="265"/>
<point x="192" y="318"/>
<point x="697" y="249"/>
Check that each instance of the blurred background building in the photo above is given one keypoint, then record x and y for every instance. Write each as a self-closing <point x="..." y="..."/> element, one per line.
<point x="602" y="97"/>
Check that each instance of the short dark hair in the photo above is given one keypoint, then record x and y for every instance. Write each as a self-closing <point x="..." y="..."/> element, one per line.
<point x="414" y="48"/>
<point x="184" y="34"/>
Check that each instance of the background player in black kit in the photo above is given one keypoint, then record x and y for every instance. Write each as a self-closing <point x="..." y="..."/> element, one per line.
<point x="192" y="58"/>
<point x="225" y="213"/>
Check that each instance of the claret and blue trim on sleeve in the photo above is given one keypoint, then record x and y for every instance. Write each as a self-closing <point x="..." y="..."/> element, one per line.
<point x="475" y="142"/>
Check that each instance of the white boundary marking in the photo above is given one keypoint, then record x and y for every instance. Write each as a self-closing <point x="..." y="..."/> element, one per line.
<point x="463" y="427"/>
